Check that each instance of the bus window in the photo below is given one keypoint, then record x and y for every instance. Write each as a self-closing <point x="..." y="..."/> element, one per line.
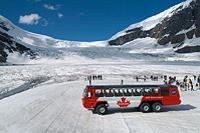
<point x="89" y="94"/>
<point x="118" y="93"/>
<point x="109" y="93"/>
<point x="84" y="92"/>
<point x="164" y="91"/>
<point x="99" y="93"/>
<point x="121" y="92"/>
<point x="128" y="92"/>
<point x="137" y="92"/>
<point x="155" y="91"/>
<point x="146" y="92"/>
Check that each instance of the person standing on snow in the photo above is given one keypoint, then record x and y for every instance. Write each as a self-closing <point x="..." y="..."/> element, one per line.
<point x="145" y="78"/>
<point x="190" y="82"/>
<point x="195" y="77"/>
<point x="198" y="80"/>
<point x="137" y="79"/>
<point x="122" y="82"/>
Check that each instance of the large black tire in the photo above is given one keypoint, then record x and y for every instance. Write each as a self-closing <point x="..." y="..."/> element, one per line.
<point x="156" y="107"/>
<point x="145" y="107"/>
<point x="101" y="109"/>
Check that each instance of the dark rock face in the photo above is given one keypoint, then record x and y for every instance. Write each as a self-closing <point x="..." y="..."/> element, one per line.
<point x="8" y="45"/>
<point x="132" y="35"/>
<point x="177" y="38"/>
<point x="2" y="25"/>
<point x="189" y="49"/>
<point x="166" y="31"/>
<point x="164" y="40"/>
<point x="197" y="32"/>
<point x="190" y="34"/>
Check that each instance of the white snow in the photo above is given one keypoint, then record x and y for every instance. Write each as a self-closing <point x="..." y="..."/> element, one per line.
<point x="54" y="104"/>
<point x="53" y="108"/>
<point x="147" y="46"/>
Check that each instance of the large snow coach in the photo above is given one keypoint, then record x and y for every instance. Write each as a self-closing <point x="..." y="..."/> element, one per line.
<point x="146" y="97"/>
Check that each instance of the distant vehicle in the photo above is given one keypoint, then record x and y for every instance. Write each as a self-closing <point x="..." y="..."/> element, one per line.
<point x="146" y="97"/>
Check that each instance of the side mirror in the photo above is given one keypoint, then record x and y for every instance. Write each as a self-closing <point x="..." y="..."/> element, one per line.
<point x="89" y="94"/>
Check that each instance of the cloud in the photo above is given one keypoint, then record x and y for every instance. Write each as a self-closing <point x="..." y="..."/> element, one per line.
<point x="60" y="15"/>
<point x="29" y="19"/>
<point x="51" y="7"/>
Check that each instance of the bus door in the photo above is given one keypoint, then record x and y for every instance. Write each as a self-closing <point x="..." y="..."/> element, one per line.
<point x="164" y="92"/>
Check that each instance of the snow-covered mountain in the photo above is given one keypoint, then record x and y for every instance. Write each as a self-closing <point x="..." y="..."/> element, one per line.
<point x="161" y="37"/>
<point x="177" y="27"/>
<point x="16" y="41"/>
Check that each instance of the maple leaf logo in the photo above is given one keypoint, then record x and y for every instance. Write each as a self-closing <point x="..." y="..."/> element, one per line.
<point x="123" y="102"/>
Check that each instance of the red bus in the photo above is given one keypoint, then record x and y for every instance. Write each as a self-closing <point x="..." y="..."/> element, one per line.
<point x="145" y="97"/>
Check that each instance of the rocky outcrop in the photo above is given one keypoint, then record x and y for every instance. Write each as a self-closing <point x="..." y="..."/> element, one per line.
<point x="164" y="40"/>
<point x="131" y="35"/>
<point x="190" y="34"/>
<point x="3" y="26"/>
<point x="189" y="49"/>
<point x="177" y="38"/>
<point x="197" y="32"/>
<point x="8" y="45"/>
<point x="168" y="30"/>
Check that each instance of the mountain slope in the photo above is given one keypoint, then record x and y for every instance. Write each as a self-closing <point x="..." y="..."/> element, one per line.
<point x="9" y="45"/>
<point x="18" y="41"/>
<point x="178" y="26"/>
<point x="161" y="37"/>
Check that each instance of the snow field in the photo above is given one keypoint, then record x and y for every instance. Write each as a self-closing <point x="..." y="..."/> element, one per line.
<point x="14" y="76"/>
<point x="57" y="108"/>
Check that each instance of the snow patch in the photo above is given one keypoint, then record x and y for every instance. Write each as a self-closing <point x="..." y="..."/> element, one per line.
<point x="17" y="58"/>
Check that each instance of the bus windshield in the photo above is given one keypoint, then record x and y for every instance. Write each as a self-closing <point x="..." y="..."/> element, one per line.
<point x="84" y="92"/>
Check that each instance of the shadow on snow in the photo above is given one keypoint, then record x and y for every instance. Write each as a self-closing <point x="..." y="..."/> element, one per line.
<point x="182" y="107"/>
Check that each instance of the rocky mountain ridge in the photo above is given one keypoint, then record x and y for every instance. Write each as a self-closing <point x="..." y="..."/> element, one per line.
<point x="9" y="45"/>
<point x="181" y="23"/>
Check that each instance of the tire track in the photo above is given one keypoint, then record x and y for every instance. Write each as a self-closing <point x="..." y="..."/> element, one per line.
<point x="62" y="94"/>
<point x="125" y="122"/>
<point x="52" y="122"/>
<point x="39" y="112"/>
<point x="137" y="126"/>
<point x="76" y="123"/>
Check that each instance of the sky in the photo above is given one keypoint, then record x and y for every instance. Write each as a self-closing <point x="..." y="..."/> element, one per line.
<point x="80" y="20"/>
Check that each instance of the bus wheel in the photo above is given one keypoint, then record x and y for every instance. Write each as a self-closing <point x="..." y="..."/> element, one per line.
<point x="145" y="107"/>
<point x="157" y="107"/>
<point x="101" y="109"/>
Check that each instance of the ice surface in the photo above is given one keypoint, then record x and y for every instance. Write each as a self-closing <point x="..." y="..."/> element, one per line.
<point x="53" y="108"/>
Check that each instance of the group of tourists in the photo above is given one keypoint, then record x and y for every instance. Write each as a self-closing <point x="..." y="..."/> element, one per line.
<point x="144" y="78"/>
<point x="187" y="83"/>
<point x="93" y="77"/>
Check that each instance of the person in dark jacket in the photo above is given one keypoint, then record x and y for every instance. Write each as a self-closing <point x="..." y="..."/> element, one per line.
<point x="198" y="80"/>
<point x="190" y="82"/>
<point x="137" y="79"/>
<point x="195" y="77"/>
